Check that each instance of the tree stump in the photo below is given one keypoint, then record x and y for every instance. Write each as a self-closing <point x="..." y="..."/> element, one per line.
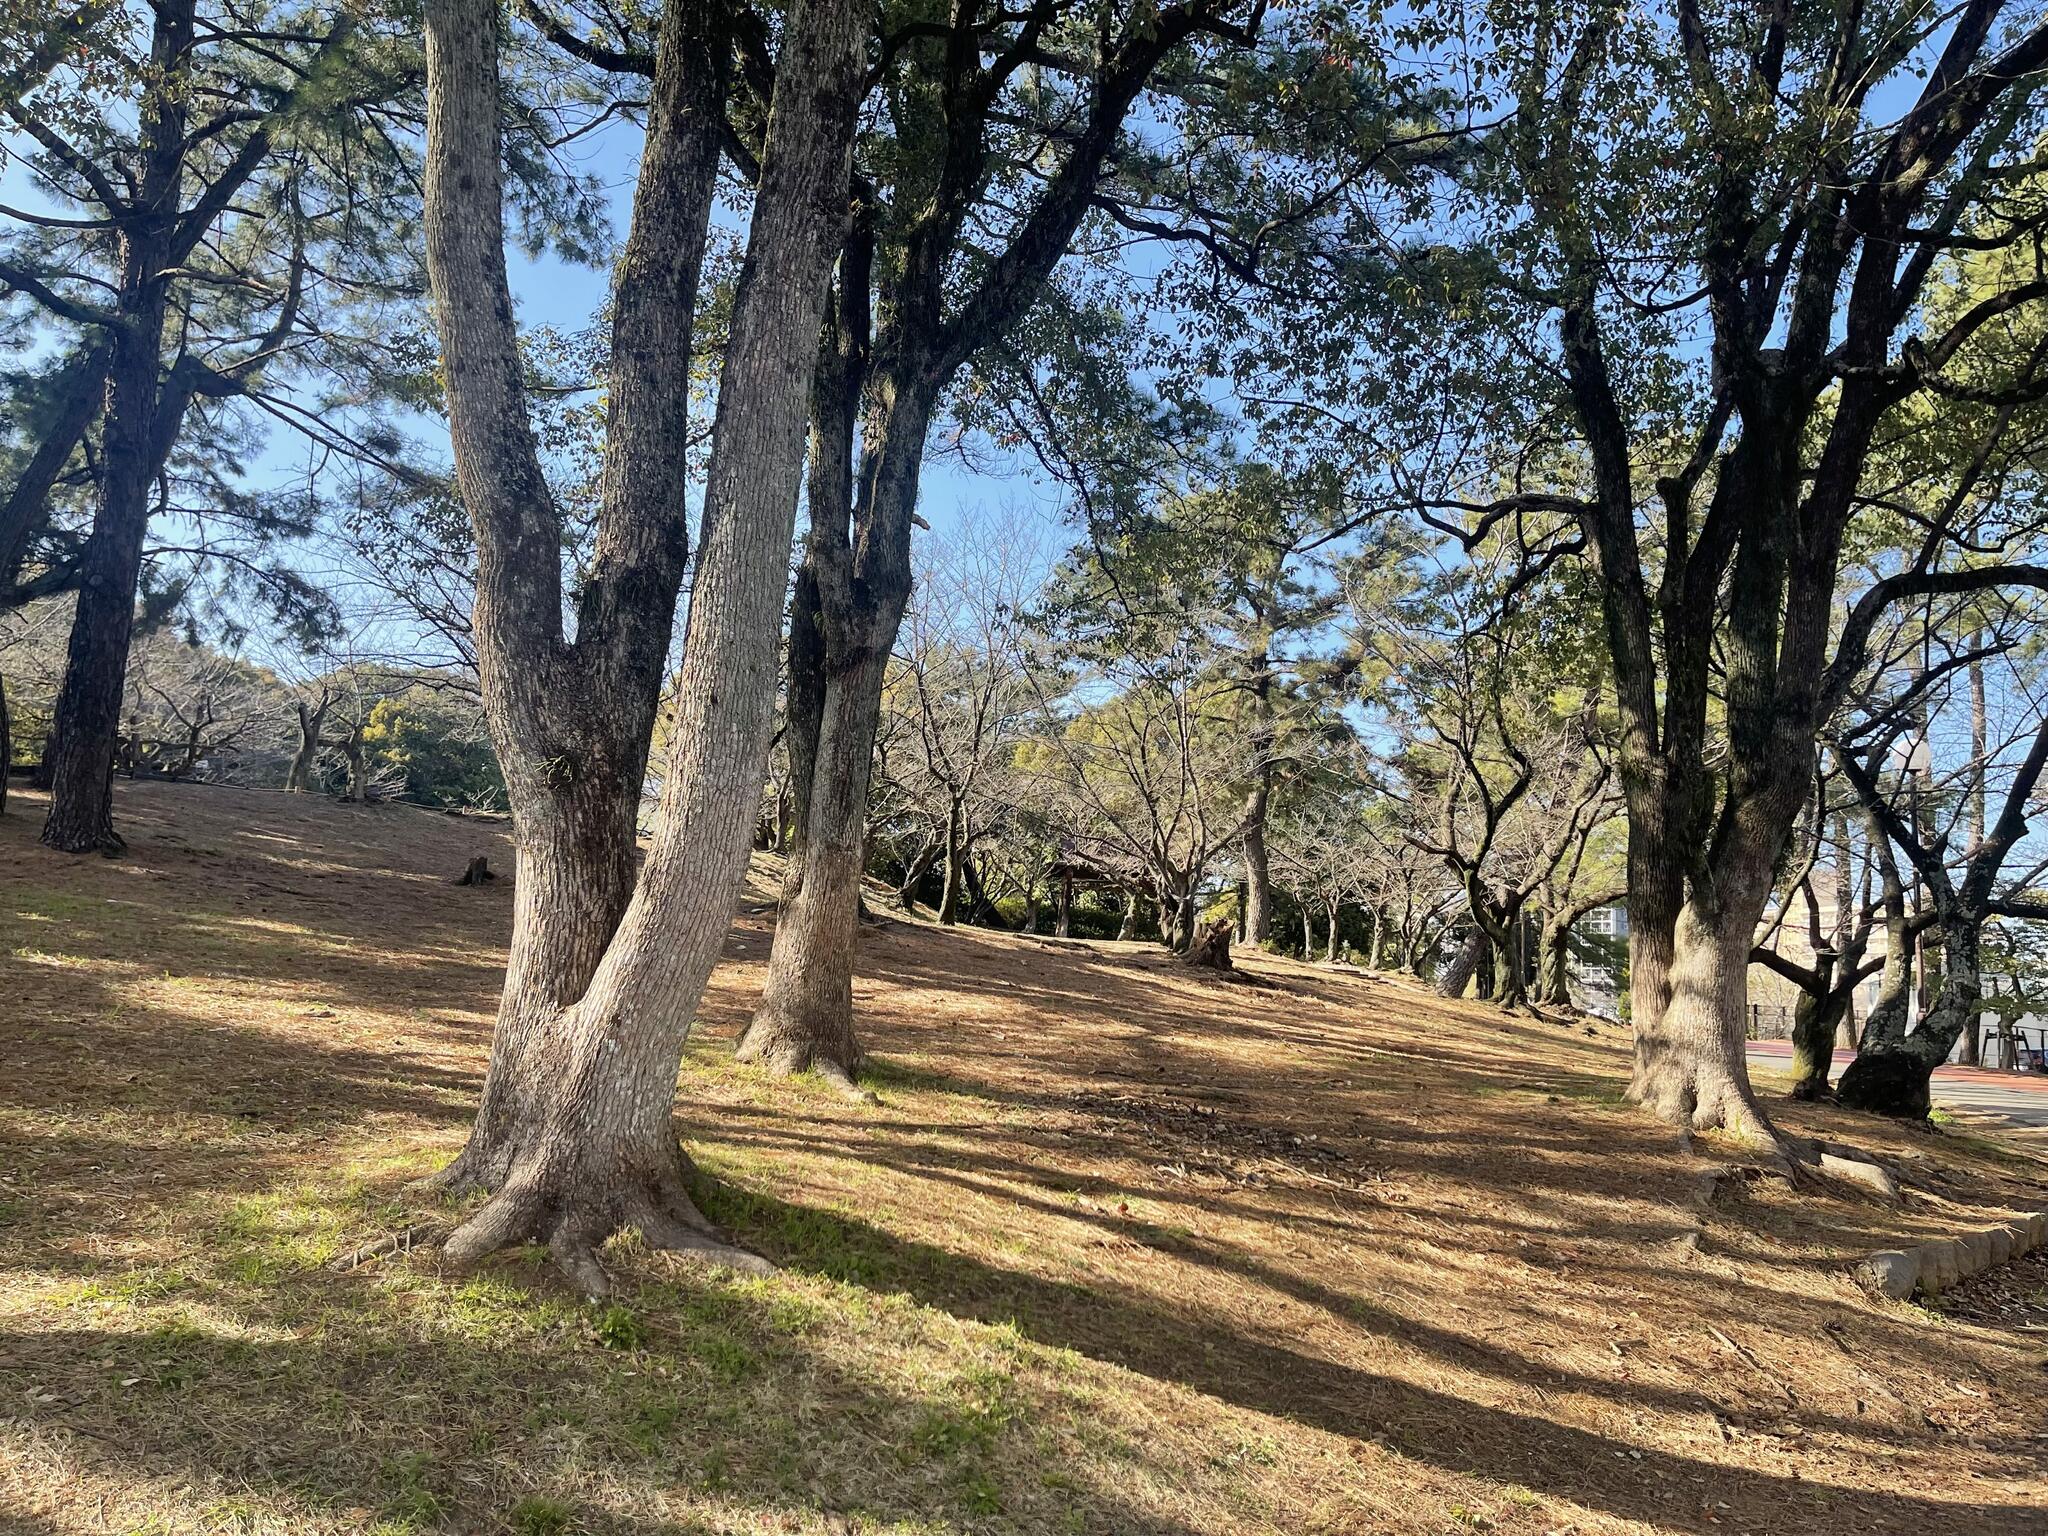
<point x="478" y="872"/>
<point x="1211" y="947"/>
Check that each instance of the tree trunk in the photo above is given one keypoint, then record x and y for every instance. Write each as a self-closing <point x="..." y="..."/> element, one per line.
<point x="981" y="909"/>
<point x="6" y="746"/>
<point x="1258" y="878"/>
<point x="1330" y="950"/>
<point x="1554" y="961"/>
<point x="1980" y="818"/>
<point x="87" y="716"/>
<point x="1655" y="897"/>
<point x="805" y="1017"/>
<point x="1893" y="1075"/>
<point x="1457" y="976"/>
<point x="1814" y="1019"/>
<point x="1210" y="948"/>
<point x="1063" y="925"/>
<point x="358" y="789"/>
<point x="956" y="871"/>
<point x="919" y="867"/>
<point x="1690" y="1067"/>
<point x="298" y="779"/>
<point x="577" y="1132"/>
<point x="1128" y="928"/>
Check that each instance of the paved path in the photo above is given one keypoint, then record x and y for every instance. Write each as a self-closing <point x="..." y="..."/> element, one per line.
<point x="2019" y="1099"/>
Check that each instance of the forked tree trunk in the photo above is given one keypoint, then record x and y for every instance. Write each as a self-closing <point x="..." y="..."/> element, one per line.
<point x="573" y="877"/>
<point x="298" y="779"/>
<point x="1128" y="928"/>
<point x="578" y="1135"/>
<point x="1896" y="1077"/>
<point x="1813" y="1031"/>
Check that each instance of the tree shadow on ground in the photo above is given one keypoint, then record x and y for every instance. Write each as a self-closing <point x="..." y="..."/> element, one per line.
<point x="1457" y="1434"/>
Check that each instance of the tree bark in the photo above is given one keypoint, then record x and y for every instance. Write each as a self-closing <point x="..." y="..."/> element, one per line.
<point x="1980" y="817"/>
<point x="87" y="716"/>
<point x="1691" y="1069"/>
<point x="1897" y="1078"/>
<point x="805" y="1017"/>
<point x="1457" y="976"/>
<point x="1258" y="876"/>
<point x="6" y="746"/>
<point x="298" y="779"/>
<point x="955" y="867"/>
<point x="576" y="1133"/>
<point x="1128" y="928"/>
<point x="1814" y="1020"/>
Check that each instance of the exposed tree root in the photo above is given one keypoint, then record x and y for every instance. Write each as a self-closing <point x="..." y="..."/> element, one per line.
<point x="782" y="1045"/>
<point x="472" y="1171"/>
<point x="843" y="1080"/>
<point x="548" y="1206"/>
<point x="422" y="1236"/>
<point x="105" y="842"/>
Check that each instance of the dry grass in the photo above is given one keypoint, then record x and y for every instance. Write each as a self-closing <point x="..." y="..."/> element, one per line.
<point x="1120" y="1250"/>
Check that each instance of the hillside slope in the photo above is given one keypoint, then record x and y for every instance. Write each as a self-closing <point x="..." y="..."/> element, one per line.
<point x="1121" y="1249"/>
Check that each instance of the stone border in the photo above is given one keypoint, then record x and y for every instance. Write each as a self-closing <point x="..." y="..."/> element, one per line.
<point x="1934" y="1266"/>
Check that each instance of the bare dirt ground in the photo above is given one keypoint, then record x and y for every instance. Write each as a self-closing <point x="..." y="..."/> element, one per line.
<point x="1120" y="1250"/>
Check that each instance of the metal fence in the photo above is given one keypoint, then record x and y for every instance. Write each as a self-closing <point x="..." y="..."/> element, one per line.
<point x="1770" y="1021"/>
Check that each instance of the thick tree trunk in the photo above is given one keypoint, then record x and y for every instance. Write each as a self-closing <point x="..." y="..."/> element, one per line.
<point x="1893" y="1075"/>
<point x="1655" y="897"/>
<point x="1690" y="1068"/>
<point x="1128" y="928"/>
<point x="577" y="856"/>
<point x="1330" y="951"/>
<point x="805" y="1017"/>
<point x="1063" y="924"/>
